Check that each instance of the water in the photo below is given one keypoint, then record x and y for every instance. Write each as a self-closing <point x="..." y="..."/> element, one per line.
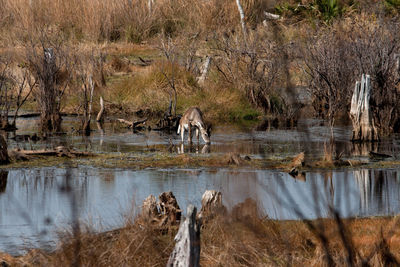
<point x="310" y="136"/>
<point x="37" y="202"/>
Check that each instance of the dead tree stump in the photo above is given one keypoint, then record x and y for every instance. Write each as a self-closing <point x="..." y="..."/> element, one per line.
<point x="149" y="209"/>
<point x="364" y="128"/>
<point x="187" y="248"/>
<point x="169" y="209"/>
<point x="211" y="204"/>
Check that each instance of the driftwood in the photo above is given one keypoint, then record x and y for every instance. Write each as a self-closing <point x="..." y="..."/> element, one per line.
<point x="271" y="16"/>
<point x="375" y="155"/>
<point x="132" y="124"/>
<point x="187" y="248"/>
<point x="100" y="115"/>
<point x="360" y="113"/>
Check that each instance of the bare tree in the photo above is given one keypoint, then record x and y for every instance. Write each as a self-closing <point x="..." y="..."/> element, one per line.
<point x="330" y="68"/>
<point x="23" y="88"/>
<point x="252" y="68"/>
<point x="5" y="89"/>
<point x="168" y="50"/>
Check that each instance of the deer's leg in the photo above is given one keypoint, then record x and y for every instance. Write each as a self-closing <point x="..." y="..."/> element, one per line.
<point x="183" y="133"/>
<point x="190" y="134"/>
<point x="197" y="135"/>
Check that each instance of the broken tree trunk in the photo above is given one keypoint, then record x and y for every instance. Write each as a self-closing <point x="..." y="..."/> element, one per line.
<point x="204" y="71"/>
<point x="100" y="115"/>
<point x="364" y="128"/>
<point x="187" y="248"/>
<point x="211" y="205"/>
<point x="242" y="23"/>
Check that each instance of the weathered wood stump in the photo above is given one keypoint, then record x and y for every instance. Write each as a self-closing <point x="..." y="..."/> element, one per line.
<point x="364" y="128"/>
<point x="150" y="209"/>
<point x="169" y="209"/>
<point x="162" y="214"/>
<point x="211" y="205"/>
<point x="187" y="248"/>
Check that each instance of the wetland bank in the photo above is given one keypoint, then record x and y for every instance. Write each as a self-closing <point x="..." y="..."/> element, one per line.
<point x="302" y="98"/>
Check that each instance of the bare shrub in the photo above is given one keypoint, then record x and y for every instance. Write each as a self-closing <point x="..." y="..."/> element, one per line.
<point x="253" y="68"/>
<point x="331" y="68"/>
<point x="49" y="60"/>
<point x="15" y="88"/>
<point x="87" y="76"/>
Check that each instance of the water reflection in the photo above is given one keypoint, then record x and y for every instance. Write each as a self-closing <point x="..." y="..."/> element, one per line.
<point x="281" y="142"/>
<point x="193" y="148"/>
<point x="3" y="180"/>
<point x="35" y="202"/>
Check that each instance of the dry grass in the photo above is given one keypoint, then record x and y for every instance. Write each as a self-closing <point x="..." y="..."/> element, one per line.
<point x="240" y="239"/>
<point x="109" y="20"/>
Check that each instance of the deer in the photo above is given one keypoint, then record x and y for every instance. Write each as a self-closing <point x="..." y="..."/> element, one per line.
<point x="193" y="117"/>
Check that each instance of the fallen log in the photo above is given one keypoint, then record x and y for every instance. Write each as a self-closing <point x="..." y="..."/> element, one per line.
<point x="59" y="151"/>
<point x="375" y="155"/>
<point x="132" y="124"/>
<point x="187" y="248"/>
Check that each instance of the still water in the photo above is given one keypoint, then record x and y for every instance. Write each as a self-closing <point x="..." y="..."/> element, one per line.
<point x="34" y="203"/>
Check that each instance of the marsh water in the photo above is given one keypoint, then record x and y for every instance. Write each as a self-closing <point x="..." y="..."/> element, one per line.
<point x="35" y="203"/>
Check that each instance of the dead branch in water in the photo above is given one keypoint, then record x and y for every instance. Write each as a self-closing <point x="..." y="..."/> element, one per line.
<point x="132" y="124"/>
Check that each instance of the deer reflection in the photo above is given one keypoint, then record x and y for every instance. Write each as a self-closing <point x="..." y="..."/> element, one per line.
<point x="191" y="148"/>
